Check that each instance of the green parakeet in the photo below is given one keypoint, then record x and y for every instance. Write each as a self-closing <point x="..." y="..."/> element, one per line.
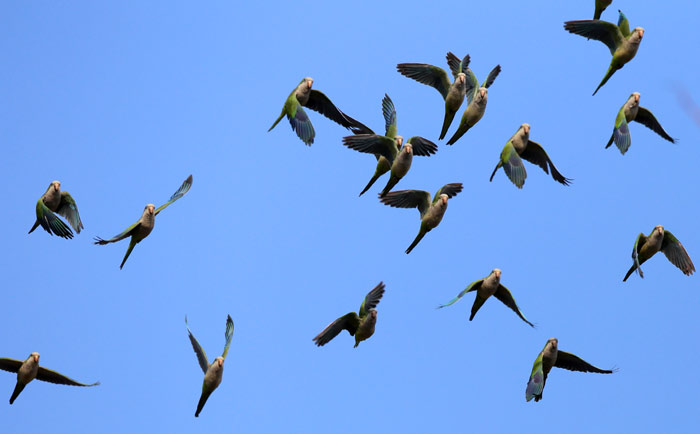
<point x="304" y="96"/>
<point x="61" y="202"/>
<point x="632" y="111"/>
<point x="361" y="325"/>
<point x="436" y="77"/>
<point x="431" y="211"/>
<point x="519" y="146"/>
<point x="659" y="240"/>
<point x="212" y="373"/>
<point x="600" y="6"/>
<point x="485" y="288"/>
<point x="477" y="97"/>
<point x="30" y="370"/>
<point x="550" y="357"/>
<point x="143" y="227"/>
<point x="622" y="43"/>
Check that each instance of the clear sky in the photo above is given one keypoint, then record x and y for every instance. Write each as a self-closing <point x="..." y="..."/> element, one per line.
<point x="120" y="102"/>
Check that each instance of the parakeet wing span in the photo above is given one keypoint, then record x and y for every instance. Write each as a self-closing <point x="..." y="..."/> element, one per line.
<point x="54" y="377"/>
<point x="475" y="285"/>
<point x="621" y="133"/>
<point x="603" y="31"/>
<point x="535" y="385"/>
<point x="646" y="118"/>
<point x="492" y="76"/>
<point x="50" y="222"/>
<point x="372" y="144"/>
<point x="422" y="147"/>
<point x="228" y="334"/>
<point x="319" y="102"/>
<point x="408" y="199"/>
<point x="10" y="365"/>
<point x="451" y="190"/>
<point x="389" y="112"/>
<point x="638" y="244"/>
<point x="512" y="165"/>
<point x="121" y="236"/>
<point x="426" y="74"/>
<point x="201" y="355"/>
<point x="472" y="85"/>
<point x="675" y="252"/>
<point x="503" y="294"/>
<point x="535" y="154"/>
<point x="623" y="24"/>
<point x="456" y="65"/>
<point x="68" y="209"/>
<point x="574" y="363"/>
<point x="372" y="299"/>
<point x="184" y="188"/>
<point x="349" y="321"/>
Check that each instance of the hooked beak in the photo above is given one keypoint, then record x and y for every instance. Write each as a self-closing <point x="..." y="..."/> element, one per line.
<point x="636" y="98"/>
<point x="444" y="200"/>
<point x="221" y="362"/>
<point x="36" y="359"/>
<point x="309" y="83"/>
<point x="641" y="34"/>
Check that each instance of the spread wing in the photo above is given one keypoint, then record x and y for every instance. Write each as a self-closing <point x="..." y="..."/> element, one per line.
<point x="389" y="112"/>
<point x="603" y="31"/>
<point x="408" y="199"/>
<point x="638" y="244"/>
<point x="535" y="154"/>
<point x="492" y="76"/>
<point x="621" y="133"/>
<point x="201" y="355"/>
<point x="50" y="222"/>
<point x="646" y="118"/>
<point x="675" y="252"/>
<point x="126" y="233"/>
<point x="535" y="384"/>
<point x="372" y="299"/>
<point x="451" y="190"/>
<point x="319" y="102"/>
<point x="456" y="65"/>
<point x="228" y="334"/>
<point x="574" y="363"/>
<point x="373" y="144"/>
<point x="472" y="85"/>
<point x="503" y="294"/>
<point x="54" y="377"/>
<point x="10" y="365"/>
<point x="184" y="188"/>
<point x="349" y="322"/>
<point x="68" y="209"/>
<point x="422" y="147"/>
<point x="426" y="74"/>
<point x="475" y="285"/>
<point x="513" y="165"/>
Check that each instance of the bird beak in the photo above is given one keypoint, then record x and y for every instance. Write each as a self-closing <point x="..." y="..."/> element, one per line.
<point x="36" y="359"/>
<point x="636" y="98"/>
<point x="444" y="201"/>
<point x="221" y="362"/>
<point x="641" y="34"/>
<point x="309" y="83"/>
<point x="483" y="93"/>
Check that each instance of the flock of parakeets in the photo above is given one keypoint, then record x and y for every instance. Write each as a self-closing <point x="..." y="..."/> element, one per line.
<point x="395" y="156"/>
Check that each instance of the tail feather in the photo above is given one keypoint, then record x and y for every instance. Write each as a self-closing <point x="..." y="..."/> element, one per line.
<point x="495" y="170"/>
<point x="36" y="225"/>
<point x="449" y="116"/>
<point x="202" y="401"/>
<point x="631" y="270"/>
<point x="132" y="243"/>
<point x="458" y="134"/>
<point x="277" y="121"/>
<point x="415" y="242"/>
<point x="389" y="185"/>
<point x="18" y="389"/>
<point x="611" y="71"/>
<point x="612" y="137"/>
<point x="371" y="182"/>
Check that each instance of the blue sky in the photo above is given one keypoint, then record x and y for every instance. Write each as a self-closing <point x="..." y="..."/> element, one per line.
<point x="120" y="102"/>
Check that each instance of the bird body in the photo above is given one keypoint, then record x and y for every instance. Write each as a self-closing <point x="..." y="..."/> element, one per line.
<point x="56" y="201"/>
<point x="660" y="240"/>
<point x="477" y="97"/>
<point x="632" y="111"/>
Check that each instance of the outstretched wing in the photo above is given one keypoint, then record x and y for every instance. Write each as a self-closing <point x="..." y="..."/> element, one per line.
<point x="513" y="165"/>
<point x="373" y="144"/>
<point x="472" y="85"/>
<point x="228" y="334"/>
<point x="54" y="377"/>
<point x="492" y="76"/>
<point x="621" y="133"/>
<point x="451" y="190"/>
<point x="201" y="355"/>
<point x="389" y="112"/>
<point x="427" y="74"/>
<point x="422" y="147"/>
<point x="372" y="299"/>
<point x="349" y="322"/>
<point x="456" y="65"/>
<point x="475" y="285"/>
<point x="623" y="24"/>
<point x="535" y="384"/>
<point x="646" y="118"/>
<point x="184" y="188"/>
<point x="603" y="31"/>
<point x="319" y="102"/>
<point x="10" y="365"/>
<point x="503" y="294"/>
<point x="638" y="244"/>
<point x="126" y="233"/>
<point x="408" y="199"/>
<point x="572" y="362"/>
<point x="68" y="209"/>
<point x="675" y="252"/>
<point x="50" y="222"/>
<point x="535" y="154"/>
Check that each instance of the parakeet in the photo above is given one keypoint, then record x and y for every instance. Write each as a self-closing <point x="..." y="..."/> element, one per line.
<point x="632" y="111"/>
<point x="485" y="288"/>
<point x="30" y="369"/>
<point x="431" y="212"/>
<point x="143" y="227"/>
<point x="212" y="373"/>
<point x="61" y="202"/>
<point x="659" y="240"/>
<point x="360" y="326"/>
<point x="550" y="357"/>
<point x="436" y="77"/>
<point x="519" y="146"/>
<point x="476" y="102"/>
<point x="304" y="96"/>
<point x="600" y="6"/>
<point x="622" y="43"/>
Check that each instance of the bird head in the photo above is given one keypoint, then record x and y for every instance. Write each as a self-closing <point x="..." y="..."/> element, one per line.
<point x="497" y="273"/>
<point x="526" y="128"/>
<point x="56" y="185"/>
<point x="443" y="199"/>
<point x="399" y="141"/>
<point x="220" y="361"/>
<point x="634" y="98"/>
<point x="660" y="230"/>
<point x="461" y="78"/>
<point x="553" y="342"/>
<point x="482" y="95"/>
<point x="408" y="148"/>
<point x="150" y="208"/>
<point x="309" y="82"/>
<point x="373" y="314"/>
<point x="34" y="356"/>
<point x="637" y="34"/>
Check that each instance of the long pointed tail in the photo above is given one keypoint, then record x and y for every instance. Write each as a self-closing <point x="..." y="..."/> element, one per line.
<point x="458" y="134"/>
<point x="415" y="242"/>
<point x="36" y="225"/>
<point x="498" y="166"/>
<point x="389" y="185"/>
<point x="202" y="401"/>
<point x="611" y="71"/>
<point x="277" y="121"/>
<point x="371" y="182"/>
<point x="18" y="389"/>
<point x="132" y="243"/>
<point x="631" y="270"/>
<point x="449" y="116"/>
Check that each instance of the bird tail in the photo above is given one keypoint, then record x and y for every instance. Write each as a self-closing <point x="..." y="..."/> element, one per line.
<point x="498" y="166"/>
<point x="449" y="116"/>
<point x="18" y="389"/>
<point x="36" y="225"/>
<point x="457" y="135"/>
<point x="202" y="401"/>
<point x="631" y="270"/>
<point x="611" y="71"/>
<point x="132" y="243"/>
<point x="612" y="137"/>
<point x="277" y="121"/>
<point x="478" y="302"/>
<point x="415" y="242"/>
<point x="389" y="185"/>
<point x="376" y="176"/>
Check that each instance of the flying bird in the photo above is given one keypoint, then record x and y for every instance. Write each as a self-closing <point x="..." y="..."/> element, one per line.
<point x="519" y="146"/>
<point x="389" y="150"/>
<point x="485" y="288"/>
<point x="550" y="357"/>
<point x="30" y="369"/>
<point x="431" y="212"/>
<point x="659" y="240"/>
<point x="143" y="227"/>
<point x="600" y="6"/>
<point x="477" y="97"/>
<point x="304" y="96"/>
<point x="361" y="325"/>
<point x="632" y="111"/>
<point x="212" y="373"/>
<point x="453" y="93"/>
<point x="61" y="202"/>
<point x="622" y="43"/>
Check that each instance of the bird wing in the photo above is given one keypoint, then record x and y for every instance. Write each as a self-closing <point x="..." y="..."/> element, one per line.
<point x="228" y="334"/>
<point x="372" y="299"/>
<point x="456" y="65"/>
<point x="201" y="355"/>
<point x="603" y="31"/>
<point x="389" y="112"/>
<point x="513" y="165"/>
<point x="535" y="154"/>
<point x="535" y="384"/>
<point x="492" y="76"/>
<point x="50" y="222"/>
<point x="472" y="85"/>
<point x="623" y="24"/>
<point x="431" y="75"/>
<point x="572" y="362"/>
<point x="408" y="199"/>
<point x="503" y="294"/>
<point x="373" y="144"/>
<point x="126" y="233"/>
<point x="10" y="365"/>
<point x="349" y="321"/>
<point x="319" y="102"/>
<point x="646" y="118"/>
<point x="638" y="244"/>
<point x="475" y="285"/>
<point x="68" y="209"/>
<point x="184" y="188"/>
<point x="54" y="377"/>
<point x="451" y="190"/>
<point x="422" y="146"/>
<point x="675" y="252"/>
<point x="621" y="132"/>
